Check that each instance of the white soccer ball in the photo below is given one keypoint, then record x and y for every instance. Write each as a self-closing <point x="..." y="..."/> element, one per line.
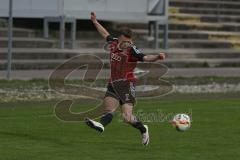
<point x="181" y="122"/>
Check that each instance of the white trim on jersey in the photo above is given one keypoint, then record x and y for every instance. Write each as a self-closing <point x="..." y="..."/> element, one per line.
<point x="136" y="50"/>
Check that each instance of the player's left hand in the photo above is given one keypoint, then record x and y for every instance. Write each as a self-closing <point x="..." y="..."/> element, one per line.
<point x="162" y="56"/>
<point x="93" y="17"/>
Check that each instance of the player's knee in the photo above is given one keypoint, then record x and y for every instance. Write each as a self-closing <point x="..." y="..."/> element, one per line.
<point x="127" y="117"/>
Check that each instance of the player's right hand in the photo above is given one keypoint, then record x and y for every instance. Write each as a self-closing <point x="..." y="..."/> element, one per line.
<point x="93" y="17"/>
<point x="161" y="56"/>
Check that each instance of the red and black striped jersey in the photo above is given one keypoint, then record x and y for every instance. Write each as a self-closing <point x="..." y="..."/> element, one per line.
<point x="123" y="61"/>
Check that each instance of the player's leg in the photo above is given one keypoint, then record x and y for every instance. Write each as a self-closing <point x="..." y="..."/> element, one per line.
<point x="128" y="117"/>
<point x="110" y="104"/>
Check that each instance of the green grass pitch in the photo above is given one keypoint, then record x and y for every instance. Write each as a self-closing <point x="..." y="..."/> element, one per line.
<point x="30" y="131"/>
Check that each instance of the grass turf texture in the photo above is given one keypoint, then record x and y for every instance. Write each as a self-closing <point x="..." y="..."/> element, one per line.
<point x="30" y="131"/>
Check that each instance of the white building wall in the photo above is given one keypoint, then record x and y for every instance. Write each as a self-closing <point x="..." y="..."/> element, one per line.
<point x="106" y="9"/>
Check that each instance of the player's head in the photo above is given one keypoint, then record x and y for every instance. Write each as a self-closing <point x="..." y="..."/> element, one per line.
<point x="125" y="34"/>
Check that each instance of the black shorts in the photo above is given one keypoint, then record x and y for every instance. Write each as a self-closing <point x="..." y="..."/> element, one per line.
<point x="123" y="90"/>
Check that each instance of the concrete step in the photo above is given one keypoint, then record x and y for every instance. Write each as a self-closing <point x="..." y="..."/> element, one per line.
<point x="201" y="72"/>
<point x="206" y="11"/>
<point x="192" y="34"/>
<point x="171" y="63"/>
<point x="32" y="64"/>
<point x="175" y="53"/>
<point x="204" y="18"/>
<point x="39" y="64"/>
<point x="179" y="25"/>
<point x="19" y="32"/>
<point x="205" y="4"/>
<point x="80" y="34"/>
<point x="173" y="34"/>
<point x="200" y="53"/>
<point x="41" y="54"/>
<point x="91" y="43"/>
<point x="29" y="43"/>
<point x="173" y="43"/>
<point x="191" y="63"/>
<point x="214" y="42"/>
<point x="189" y="25"/>
<point x="88" y="35"/>
<point x="198" y="43"/>
<point x="101" y="43"/>
<point x="3" y="23"/>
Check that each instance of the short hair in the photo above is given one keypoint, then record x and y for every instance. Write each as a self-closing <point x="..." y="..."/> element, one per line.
<point x="125" y="31"/>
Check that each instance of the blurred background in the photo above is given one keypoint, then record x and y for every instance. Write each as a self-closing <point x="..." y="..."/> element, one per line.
<point x="200" y="37"/>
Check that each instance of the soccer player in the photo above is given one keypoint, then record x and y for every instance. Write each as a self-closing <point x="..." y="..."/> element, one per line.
<point x="121" y="86"/>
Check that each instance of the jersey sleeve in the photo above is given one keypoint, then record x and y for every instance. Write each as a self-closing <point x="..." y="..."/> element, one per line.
<point x="135" y="52"/>
<point x="110" y="38"/>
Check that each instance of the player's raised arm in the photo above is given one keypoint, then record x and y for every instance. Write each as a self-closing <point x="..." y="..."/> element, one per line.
<point x="153" y="58"/>
<point x="99" y="27"/>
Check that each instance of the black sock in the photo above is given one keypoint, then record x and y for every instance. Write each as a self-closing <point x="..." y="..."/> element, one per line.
<point x="106" y="119"/>
<point x="138" y="124"/>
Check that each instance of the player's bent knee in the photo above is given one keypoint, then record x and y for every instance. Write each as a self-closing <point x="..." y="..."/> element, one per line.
<point x="127" y="117"/>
